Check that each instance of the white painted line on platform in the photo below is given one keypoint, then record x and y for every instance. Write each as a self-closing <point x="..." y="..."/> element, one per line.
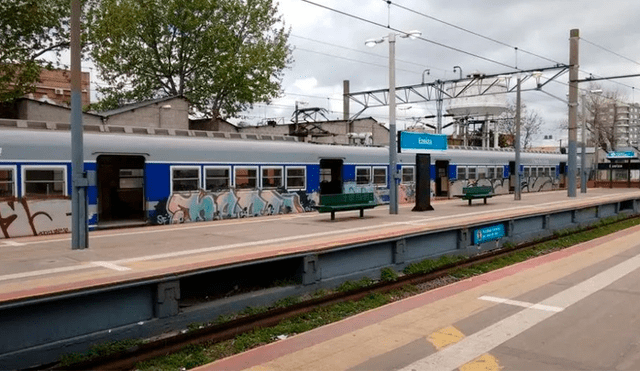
<point x="13" y="243"/>
<point x="43" y="272"/>
<point x="523" y="304"/>
<point x="108" y="265"/>
<point x="485" y="340"/>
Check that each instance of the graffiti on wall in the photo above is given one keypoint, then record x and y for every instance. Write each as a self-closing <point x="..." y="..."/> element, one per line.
<point x="26" y="217"/>
<point x="205" y="206"/>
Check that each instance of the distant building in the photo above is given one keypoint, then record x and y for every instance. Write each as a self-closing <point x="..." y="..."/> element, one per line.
<point x="364" y="131"/>
<point x="55" y="87"/>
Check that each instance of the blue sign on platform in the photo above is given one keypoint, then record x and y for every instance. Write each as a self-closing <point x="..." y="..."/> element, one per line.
<point x="417" y="141"/>
<point x="486" y="234"/>
<point x="621" y="155"/>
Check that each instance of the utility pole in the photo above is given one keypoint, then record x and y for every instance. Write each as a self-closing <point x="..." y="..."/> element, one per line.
<point x="393" y="155"/>
<point x="517" y="194"/>
<point x="79" y="227"/>
<point x="583" y="159"/>
<point x="574" y="64"/>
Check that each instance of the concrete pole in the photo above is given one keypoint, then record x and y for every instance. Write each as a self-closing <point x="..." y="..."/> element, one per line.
<point x="517" y="194"/>
<point x="573" y="110"/>
<point x="439" y="102"/>
<point x="345" y="101"/>
<point x="79" y="227"/>
<point x="393" y="159"/>
<point x="583" y="159"/>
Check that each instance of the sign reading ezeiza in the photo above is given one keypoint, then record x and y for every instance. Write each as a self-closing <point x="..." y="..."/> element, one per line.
<point x="486" y="234"/>
<point x="421" y="141"/>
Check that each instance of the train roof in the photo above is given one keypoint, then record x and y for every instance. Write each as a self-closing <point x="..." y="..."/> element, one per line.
<point x="54" y="145"/>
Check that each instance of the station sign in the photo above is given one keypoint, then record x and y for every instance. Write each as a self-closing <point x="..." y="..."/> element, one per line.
<point x="621" y="155"/>
<point x="421" y="141"/>
<point x="619" y="166"/>
<point x="486" y="234"/>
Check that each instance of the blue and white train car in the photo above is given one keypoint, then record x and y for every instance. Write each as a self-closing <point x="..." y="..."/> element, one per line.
<point x="160" y="179"/>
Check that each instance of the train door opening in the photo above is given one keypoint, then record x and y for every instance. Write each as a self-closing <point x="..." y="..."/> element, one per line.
<point x="442" y="178"/>
<point x="330" y="176"/>
<point x="120" y="188"/>
<point x="512" y="176"/>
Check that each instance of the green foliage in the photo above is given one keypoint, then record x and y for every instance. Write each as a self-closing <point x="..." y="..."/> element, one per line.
<point x="351" y="285"/>
<point x="29" y="29"/>
<point x="430" y="265"/>
<point x="222" y="55"/>
<point x="189" y="357"/>
<point x="250" y="311"/>
<point x="388" y="274"/>
<point x="287" y="302"/>
<point x="100" y="350"/>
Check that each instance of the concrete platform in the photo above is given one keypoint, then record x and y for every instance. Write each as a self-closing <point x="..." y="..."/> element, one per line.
<point x="40" y="266"/>
<point x="576" y="309"/>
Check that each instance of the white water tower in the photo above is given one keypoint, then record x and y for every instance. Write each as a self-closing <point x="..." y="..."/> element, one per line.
<point x="478" y="99"/>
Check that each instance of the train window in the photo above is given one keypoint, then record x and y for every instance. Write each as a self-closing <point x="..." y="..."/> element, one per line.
<point x="462" y="173"/>
<point x="472" y="172"/>
<point x="527" y="171"/>
<point x="491" y="173"/>
<point x="8" y="182"/>
<point x="533" y="172"/>
<point x="325" y="174"/>
<point x="541" y="171"/>
<point x="296" y="178"/>
<point x="363" y="175"/>
<point x="272" y="177"/>
<point x="44" y="181"/>
<point x="380" y="175"/>
<point x="407" y="174"/>
<point x="184" y="179"/>
<point x="499" y="172"/>
<point x="217" y="177"/>
<point x="246" y="177"/>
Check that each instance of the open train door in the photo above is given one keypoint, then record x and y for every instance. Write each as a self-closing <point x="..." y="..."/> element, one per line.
<point x="120" y="189"/>
<point x="442" y="178"/>
<point x="330" y="176"/>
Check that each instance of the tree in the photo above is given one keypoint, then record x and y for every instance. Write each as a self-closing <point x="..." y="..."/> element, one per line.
<point x="222" y="55"/>
<point x="29" y="29"/>
<point x="530" y="123"/>
<point x="599" y="118"/>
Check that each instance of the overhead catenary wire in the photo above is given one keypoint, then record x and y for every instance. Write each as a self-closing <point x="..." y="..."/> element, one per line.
<point x="402" y="32"/>
<point x="472" y="32"/>
<point x="421" y="65"/>
<point x="610" y="51"/>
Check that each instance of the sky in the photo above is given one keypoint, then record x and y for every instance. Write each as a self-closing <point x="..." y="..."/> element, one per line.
<point x="477" y="35"/>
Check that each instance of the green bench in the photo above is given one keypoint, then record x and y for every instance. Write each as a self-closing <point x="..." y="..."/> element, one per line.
<point x="470" y="193"/>
<point x="346" y="202"/>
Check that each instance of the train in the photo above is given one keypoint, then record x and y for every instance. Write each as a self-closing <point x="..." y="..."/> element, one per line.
<point x="141" y="179"/>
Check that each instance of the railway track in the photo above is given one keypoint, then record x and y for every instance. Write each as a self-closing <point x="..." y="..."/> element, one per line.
<point x="126" y="360"/>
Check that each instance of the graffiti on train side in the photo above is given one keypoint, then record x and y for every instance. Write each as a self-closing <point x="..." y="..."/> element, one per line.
<point x="26" y="217"/>
<point x="205" y="206"/>
<point x="501" y="186"/>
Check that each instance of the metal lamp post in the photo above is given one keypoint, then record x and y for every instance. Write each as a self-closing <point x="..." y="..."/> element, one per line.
<point x="393" y="157"/>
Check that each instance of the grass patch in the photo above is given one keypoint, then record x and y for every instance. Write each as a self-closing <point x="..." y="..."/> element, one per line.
<point x="100" y="350"/>
<point x="430" y="265"/>
<point x="388" y="275"/>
